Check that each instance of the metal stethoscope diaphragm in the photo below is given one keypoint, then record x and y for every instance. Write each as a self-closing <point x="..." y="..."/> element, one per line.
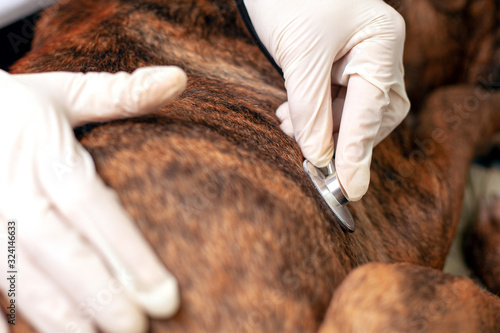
<point x="326" y="182"/>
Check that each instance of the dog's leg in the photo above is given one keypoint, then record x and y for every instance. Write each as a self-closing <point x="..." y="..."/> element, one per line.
<point x="410" y="298"/>
<point x="482" y="246"/>
<point x="453" y="126"/>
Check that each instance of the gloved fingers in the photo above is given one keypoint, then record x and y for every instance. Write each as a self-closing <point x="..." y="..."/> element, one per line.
<point x="375" y="69"/>
<point x="3" y="326"/>
<point x="283" y="114"/>
<point x="66" y="173"/>
<point x="363" y="111"/>
<point x="101" y="218"/>
<point x="395" y="113"/>
<point x="97" y="97"/>
<point x="45" y="305"/>
<point x="75" y="267"/>
<point x="310" y="106"/>
<point x="376" y="53"/>
<point x="338" y="95"/>
<point x="94" y="210"/>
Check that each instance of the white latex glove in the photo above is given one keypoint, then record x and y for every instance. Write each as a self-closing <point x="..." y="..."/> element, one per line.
<point x="13" y="10"/>
<point x="324" y="47"/>
<point x="82" y="263"/>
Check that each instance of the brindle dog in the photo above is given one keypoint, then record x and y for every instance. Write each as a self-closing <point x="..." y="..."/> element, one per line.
<point x="219" y="190"/>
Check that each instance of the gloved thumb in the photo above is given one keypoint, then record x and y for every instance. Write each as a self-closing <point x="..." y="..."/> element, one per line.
<point x="283" y="114"/>
<point x="97" y="97"/>
<point x="361" y="119"/>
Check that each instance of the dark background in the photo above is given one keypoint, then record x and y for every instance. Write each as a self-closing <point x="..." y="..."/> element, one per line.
<point x="15" y="40"/>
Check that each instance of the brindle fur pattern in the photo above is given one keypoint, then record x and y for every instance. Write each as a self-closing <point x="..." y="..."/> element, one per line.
<point x="219" y="190"/>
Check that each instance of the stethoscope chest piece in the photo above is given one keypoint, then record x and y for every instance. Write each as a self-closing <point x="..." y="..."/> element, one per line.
<point x="326" y="182"/>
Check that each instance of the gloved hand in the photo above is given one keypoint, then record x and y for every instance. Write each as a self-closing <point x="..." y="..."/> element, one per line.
<point x="82" y="263"/>
<point x="343" y="70"/>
